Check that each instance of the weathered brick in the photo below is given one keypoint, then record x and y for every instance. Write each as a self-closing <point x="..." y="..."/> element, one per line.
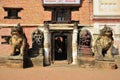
<point x="33" y="13"/>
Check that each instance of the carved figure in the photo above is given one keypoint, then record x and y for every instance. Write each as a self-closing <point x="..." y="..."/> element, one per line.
<point x="37" y="43"/>
<point x="84" y="44"/>
<point x="18" y="41"/>
<point x="37" y="38"/>
<point x="84" y="38"/>
<point x="104" y="43"/>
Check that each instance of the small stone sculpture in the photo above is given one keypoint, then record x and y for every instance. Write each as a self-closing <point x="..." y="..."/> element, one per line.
<point x="37" y="38"/>
<point x="84" y="38"/>
<point x="37" y="43"/>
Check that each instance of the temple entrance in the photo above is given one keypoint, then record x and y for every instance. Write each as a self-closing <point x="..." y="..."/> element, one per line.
<point x="61" y="46"/>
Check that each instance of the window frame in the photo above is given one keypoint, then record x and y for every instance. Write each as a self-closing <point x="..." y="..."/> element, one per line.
<point x="64" y="18"/>
<point x="12" y="13"/>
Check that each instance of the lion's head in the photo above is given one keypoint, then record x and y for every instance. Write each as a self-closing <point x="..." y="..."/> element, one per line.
<point x="17" y="30"/>
<point x="106" y="31"/>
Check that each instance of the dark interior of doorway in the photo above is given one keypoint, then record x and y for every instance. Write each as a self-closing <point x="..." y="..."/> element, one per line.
<point x="60" y="47"/>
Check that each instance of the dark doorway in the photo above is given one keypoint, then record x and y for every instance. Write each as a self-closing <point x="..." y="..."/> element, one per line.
<point x="61" y="46"/>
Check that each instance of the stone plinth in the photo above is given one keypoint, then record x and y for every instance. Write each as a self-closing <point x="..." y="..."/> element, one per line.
<point x="85" y="51"/>
<point x="3" y="61"/>
<point x="11" y="62"/>
<point x="15" y="63"/>
<point x="105" y="64"/>
<point x="37" y="61"/>
<point x="85" y="57"/>
<point x="20" y="62"/>
<point x="86" y="62"/>
<point x="117" y="60"/>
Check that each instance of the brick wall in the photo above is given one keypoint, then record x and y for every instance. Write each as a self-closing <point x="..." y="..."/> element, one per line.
<point x="84" y="15"/>
<point x="33" y="12"/>
<point x="5" y="49"/>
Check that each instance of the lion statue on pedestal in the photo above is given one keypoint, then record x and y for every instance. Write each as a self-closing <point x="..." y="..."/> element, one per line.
<point x="18" y="41"/>
<point x="104" y="43"/>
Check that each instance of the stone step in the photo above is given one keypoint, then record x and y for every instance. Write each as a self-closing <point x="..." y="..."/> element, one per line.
<point x="11" y="62"/>
<point x="106" y="65"/>
<point x="86" y="62"/>
<point x="63" y="64"/>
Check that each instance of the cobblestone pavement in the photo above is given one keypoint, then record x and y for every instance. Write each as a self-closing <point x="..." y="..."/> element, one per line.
<point x="59" y="73"/>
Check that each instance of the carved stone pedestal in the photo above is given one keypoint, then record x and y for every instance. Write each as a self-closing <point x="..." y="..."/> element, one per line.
<point x="11" y="62"/>
<point x="35" y="58"/>
<point x="85" y="51"/>
<point x="86" y="62"/>
<point x="3" y="61"/>
<point x="85" y="57"/>
<point x="106" y="64"/>
<point x="37" y="61"/>
<point x="15" y="62"/>
<point x="117" y="61"/>
<point x="20" y="61"/>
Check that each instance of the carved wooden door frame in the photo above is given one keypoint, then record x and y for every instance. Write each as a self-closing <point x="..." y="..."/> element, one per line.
<point x="68" y="35"/>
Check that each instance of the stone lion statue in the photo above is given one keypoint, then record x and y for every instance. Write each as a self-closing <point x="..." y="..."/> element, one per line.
<point x="104" y="43"/>
<point x="18" y="41"/>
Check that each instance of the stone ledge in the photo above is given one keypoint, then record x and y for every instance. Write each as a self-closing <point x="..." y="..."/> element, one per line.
<point x="38" y="61"/>
<point x="10" y="62"/>
<point x="14" y="65"/>
<point x="20" y="62"/>
<point x="15" y="58"/>
<point x="117" y="61"/>
<point x="86" y="62"/>
<point x="106" y="64"/>
<point x="3" y="61"/>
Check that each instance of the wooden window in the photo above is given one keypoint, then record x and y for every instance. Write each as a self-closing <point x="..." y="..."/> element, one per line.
<point x="12" y="13"/>
<point x="61" y="15"/>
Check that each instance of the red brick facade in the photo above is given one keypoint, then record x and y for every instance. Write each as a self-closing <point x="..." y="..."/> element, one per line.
<point x="33" y="14"/>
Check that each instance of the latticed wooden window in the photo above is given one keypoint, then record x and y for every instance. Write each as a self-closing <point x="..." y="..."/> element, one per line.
<point x="12" y="13"/>
<point x="60" y="15"/>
